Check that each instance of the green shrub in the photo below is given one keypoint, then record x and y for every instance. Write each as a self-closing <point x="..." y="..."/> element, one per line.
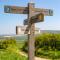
<point x="48" y="41"/>
<point x="45" y="42"/>
<point x="6" y="43"/>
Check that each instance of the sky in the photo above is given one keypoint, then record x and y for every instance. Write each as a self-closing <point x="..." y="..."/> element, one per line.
<point x="8" y="22"/>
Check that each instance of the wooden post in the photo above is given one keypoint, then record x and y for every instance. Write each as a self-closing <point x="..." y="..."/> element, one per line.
<point x="31" y="39"/>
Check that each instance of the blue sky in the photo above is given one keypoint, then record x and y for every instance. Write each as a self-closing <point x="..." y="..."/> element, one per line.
<point x="8" y="21"/>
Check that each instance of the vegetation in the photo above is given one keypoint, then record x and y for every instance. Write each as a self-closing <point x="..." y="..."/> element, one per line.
<point x="10" y="55"/>
<point x="7" y="43"/>
<point x="9" y="50"/>
<point x="46" y="45"/>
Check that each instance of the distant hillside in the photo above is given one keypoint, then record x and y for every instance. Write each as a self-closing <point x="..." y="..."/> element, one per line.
<point x="17" y="37"/>
<point x="50" y="31"/>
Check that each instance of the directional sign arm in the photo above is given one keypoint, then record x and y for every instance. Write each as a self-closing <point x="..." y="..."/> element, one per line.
<point x="46" y="12"/>
<point x="15" y="9"/>
<point x="35" y="19"/>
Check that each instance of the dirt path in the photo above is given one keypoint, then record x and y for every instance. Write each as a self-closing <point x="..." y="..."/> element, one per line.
<point x="36" y="58"/>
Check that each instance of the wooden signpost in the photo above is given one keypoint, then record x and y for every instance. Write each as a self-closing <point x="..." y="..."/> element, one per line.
<point x="34" y="15"/>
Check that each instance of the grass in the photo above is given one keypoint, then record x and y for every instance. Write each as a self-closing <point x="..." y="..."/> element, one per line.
<point x="20" y="44"/>
<point x="9" y="55"/>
